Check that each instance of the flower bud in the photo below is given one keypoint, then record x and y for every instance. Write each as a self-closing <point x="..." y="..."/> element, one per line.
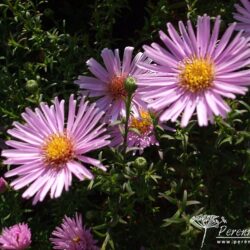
<point x="140" y="162"/>
<point x="3" y="185"/>
<point x="48" y="12"/>
<point x="90" y="215"/>
<point x="31" y="85"/>
<point x="130" y="85"/>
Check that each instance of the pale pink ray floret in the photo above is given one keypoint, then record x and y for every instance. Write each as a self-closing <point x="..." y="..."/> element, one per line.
<point x="242" y="16"/>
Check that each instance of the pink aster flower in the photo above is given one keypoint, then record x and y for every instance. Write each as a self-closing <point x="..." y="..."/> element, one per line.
<point x="195" y="71"/>
<point x="71" y="235"/>
<point x="49" y="150"/>
<point x="108" y="83"/>
<point x="141" y="134"/>
<point x="17" y="237"/>
<point x="243" y="16"/>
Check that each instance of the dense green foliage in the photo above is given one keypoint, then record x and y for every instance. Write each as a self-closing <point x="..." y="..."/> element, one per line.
<point x="43" y="47"/>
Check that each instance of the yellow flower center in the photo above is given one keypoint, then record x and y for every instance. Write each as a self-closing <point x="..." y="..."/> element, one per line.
<point x="116" y="87"/>
<point x="142" y="123"/>
<point x="58" y="149"/>
<point x="197" y="74"/>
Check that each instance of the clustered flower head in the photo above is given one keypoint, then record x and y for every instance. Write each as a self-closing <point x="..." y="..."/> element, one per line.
<point x="141" y="132"/>
<point x="108" y="83"/>
<point x="72" y="235"/>
<point x="195" y="70"/>
<point x="49" y="152"/>
<point x="17" y="237"/>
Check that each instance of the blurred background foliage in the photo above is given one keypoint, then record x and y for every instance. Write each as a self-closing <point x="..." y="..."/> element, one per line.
<point x="43" y="47"/>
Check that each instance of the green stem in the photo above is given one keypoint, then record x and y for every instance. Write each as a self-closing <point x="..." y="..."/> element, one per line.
<point x="128" y="109"/>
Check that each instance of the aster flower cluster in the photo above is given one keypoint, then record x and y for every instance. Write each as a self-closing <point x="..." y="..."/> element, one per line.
<point x="71" y="235"/>
<point x="193" y="71"/>
<point x="191" y="74"/>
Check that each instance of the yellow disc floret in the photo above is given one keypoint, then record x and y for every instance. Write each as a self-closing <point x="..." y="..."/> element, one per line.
<point x="58" y="149"/>
<point x="142" y="123"/>
<point x="197" y="74"/>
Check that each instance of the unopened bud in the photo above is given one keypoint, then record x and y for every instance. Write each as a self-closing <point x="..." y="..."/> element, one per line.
<point x="3" y="185"/>
<point x="130" y="85"/>
<point x="31" y="85"/>
<point x="90" y="214"/>
<point x="140" y="162"/>
<point x="48" y="12"/>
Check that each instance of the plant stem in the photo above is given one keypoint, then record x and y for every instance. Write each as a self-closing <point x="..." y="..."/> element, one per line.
<point x="128" y="109"/>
